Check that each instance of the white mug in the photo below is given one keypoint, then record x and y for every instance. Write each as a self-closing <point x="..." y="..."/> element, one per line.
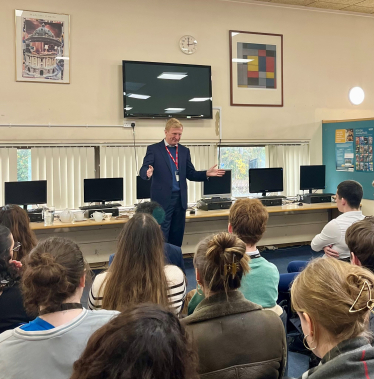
<point x="98" y="216"/>
<point x="79" y="216"/>
<point x="108" y="216"/>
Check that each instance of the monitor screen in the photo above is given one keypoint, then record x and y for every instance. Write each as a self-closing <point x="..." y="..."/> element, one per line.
<point x="104" y="189"/>
<point x="24" y="193"/>
<point x="143" y="188"/>
<point x="312" y="177"/>
<point x="218" y="186"/>
<point x="165" y="90"/>
<point x="265" y="180"/>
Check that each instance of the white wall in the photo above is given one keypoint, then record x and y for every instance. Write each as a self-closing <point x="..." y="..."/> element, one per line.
<point x="325" y="54"/>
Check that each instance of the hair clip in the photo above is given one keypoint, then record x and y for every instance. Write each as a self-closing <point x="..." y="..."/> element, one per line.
<point x="370" y="302"/>
<point x="230" y="269"/>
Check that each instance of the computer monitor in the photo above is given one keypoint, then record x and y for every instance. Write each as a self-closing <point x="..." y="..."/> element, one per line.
<point x="143" y="188"/>
<point x="217" y="186"/>
<point x="263" y="180"/>
<point x="312" y="177"/>
<point x="24" y="193"/>
<point x="102" y="190"/>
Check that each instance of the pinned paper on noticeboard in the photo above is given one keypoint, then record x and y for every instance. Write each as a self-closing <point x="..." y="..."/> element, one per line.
<point x="344" y="153"/>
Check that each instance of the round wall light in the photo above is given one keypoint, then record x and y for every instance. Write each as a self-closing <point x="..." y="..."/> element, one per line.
<point x="356" y="95"/>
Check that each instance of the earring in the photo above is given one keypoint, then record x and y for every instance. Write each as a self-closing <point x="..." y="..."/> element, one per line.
<point x="305" y="342"/>
<point x="198" y="287"/>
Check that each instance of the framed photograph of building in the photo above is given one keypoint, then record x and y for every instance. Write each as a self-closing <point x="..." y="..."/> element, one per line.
<point x="42" y="47"/>
<point x="256" y="69"/>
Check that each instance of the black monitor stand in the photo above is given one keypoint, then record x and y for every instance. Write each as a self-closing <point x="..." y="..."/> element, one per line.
<point x="263" y="194"/>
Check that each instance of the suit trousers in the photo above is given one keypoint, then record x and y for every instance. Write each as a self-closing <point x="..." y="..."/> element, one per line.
<point x="175" y="219"/>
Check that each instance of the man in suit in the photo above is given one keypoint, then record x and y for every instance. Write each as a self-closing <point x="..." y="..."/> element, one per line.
<point x="169" y="164"/>
<point x="173" y="254"/>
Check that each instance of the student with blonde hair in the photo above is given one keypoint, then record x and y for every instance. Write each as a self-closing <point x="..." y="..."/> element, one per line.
<point x="333" y="300"/>
<point x="232" y="334"/>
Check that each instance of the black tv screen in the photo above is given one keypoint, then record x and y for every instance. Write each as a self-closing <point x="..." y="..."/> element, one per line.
<point x="103" y="189"/>
<point x="265" y="180"/>
<point x="28" y="192"/>
<point x="312" y="177"/>
<point x="165" y="90"/>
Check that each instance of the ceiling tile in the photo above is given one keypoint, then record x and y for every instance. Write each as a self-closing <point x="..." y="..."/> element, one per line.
<point x="324" y="5"/>
<point x="356" y="8"/>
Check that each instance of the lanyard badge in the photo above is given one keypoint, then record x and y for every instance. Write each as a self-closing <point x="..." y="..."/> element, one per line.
<point x="175" y="161"/>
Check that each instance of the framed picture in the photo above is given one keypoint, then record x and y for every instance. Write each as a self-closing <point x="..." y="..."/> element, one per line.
<point x="256" y="69"/>
<point x="42" y="47"/>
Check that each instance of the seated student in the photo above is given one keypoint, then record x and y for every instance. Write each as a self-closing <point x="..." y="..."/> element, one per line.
<point x="52" y="284"/>
<point x="332" y="238"/>
<point x="12" y="311"/>
<point x="138" y="273"/>
<point x="248" y="219"/>
<point x="232" y="334"/>
<point x="144" y="341"/>
<point x="173" y="254"/>
<point x="360" y="240"/>
<point x="333" y="300"/>
<point x="16" y="220"/>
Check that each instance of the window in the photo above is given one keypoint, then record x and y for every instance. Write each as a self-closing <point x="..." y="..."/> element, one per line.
<point x="240" y="159"/>
<point x="23" y="164"/>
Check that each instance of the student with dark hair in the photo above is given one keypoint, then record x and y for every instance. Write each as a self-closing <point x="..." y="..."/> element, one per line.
<point x="173" y="254"/>
<point x="334" y="300"/>
<point x="138" y="273"/>
<point x="232" y="334"/>
<point x="144" y="341"/>
<point x="12" y="311"/>
<point x="16" y="220"/>
<point x="52" y="284"/>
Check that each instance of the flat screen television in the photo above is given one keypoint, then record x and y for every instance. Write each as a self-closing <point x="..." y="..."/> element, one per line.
<point x="263" y="180"/>
<point x="25" y="193"/>
<point x="217" y="186"/>
<point x="312" y="177"/>
<point x="102" y="190"/>
<point x="143" y="188"/>
<point x="165" y="90"/>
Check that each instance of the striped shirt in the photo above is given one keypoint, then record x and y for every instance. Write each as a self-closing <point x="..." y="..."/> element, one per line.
<point x="176" y="289"/>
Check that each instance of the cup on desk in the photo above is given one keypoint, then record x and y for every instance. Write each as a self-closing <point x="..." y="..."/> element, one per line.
<point x="49" y="216"/>
<point x="98" y="216"/>
<point x="79" y="216"/>
<point x="108" y="216"/>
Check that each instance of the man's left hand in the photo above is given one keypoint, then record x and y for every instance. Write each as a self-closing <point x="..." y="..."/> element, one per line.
<point x="214" y="171"/>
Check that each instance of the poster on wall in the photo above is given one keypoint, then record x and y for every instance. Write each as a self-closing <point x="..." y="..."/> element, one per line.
<point x="344" y="153"/>
<point x="364" y="149"/>
<point x="42" y="47"/>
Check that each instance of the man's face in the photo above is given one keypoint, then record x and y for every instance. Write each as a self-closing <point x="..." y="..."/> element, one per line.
<point x="173" y="136"/>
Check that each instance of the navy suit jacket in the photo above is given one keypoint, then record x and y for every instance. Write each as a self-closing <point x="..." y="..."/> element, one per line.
<point x="173" y="256"/>
<point x="162" y="180"/>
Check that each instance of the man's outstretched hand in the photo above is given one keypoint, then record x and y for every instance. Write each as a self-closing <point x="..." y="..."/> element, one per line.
<point x="150" y="171"/>
<point x="214" y="171"/>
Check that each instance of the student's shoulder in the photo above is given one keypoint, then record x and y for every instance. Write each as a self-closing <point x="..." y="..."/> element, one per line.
<point x="173" y="273"/>
<point x="5" y="336"/>
<point x="101" y="314"/>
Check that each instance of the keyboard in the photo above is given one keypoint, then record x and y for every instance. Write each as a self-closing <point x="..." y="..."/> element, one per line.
<point x="35" y="210"/>
<point x="216" y="200"/>
<point x="100" y="206"/>
<point x="271" y="197"/>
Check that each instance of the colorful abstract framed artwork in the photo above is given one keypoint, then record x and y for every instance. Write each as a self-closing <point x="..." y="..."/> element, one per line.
<point x="256" y="69"/>
<point x="42" y="47"/>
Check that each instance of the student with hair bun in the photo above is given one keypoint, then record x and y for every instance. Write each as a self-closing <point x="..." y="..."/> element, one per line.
<point x="334" y="300"/>
<point x="229" y="332"/>
<point x="144" y="341"/>
<point x="52" y="284"/>
<point x="12" y="311"/>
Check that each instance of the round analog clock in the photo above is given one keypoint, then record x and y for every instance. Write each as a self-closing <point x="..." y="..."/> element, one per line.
<point x="188" y="44"/>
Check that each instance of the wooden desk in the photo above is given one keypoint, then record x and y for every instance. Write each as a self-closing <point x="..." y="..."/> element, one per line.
<point x="287" y="224"/>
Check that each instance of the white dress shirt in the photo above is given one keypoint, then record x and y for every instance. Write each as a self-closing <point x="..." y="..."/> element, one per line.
<point x="334" y="233"/>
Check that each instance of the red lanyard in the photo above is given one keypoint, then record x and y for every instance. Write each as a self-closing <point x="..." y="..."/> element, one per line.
<point x="176" y="156"/>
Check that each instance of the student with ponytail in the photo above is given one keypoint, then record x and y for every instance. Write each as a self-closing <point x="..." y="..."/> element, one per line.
<point x="52" y="284"/>
<point x="334" y="300"/>
<point x="230" y="332"/>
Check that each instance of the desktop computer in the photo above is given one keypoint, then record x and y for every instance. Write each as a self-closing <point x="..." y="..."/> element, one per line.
<point x="313" y="178"/>
<point x="264" y="180"/>
<point x="216" y="193"/>
<point x="143" y="188"/>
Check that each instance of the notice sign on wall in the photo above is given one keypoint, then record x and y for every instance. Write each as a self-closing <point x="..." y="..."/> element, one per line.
<point x="364" y="149"/>
<point x="344" y="149"/>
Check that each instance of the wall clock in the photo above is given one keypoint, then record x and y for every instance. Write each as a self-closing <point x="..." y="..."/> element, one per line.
<point x="188" y="44"/>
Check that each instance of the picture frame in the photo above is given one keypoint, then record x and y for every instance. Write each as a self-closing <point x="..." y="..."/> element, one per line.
<point x="256" y="69"/>
<point x="42" y="47"/>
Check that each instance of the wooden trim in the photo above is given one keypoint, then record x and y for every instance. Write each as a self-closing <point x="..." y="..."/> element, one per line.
<point x="231" y="91"/>
<point x="353" y="119"/>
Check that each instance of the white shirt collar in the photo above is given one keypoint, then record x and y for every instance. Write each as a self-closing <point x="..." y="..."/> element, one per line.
<point x="250" y="253"/>
<point x="166" y="144"/>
